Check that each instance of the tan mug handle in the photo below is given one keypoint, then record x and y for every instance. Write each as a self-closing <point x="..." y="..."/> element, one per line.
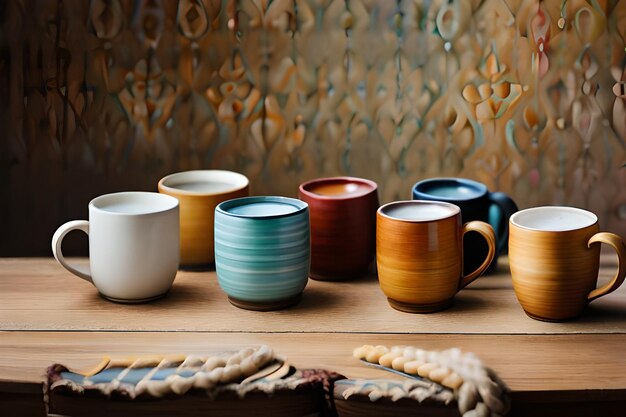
<point x="617" y="243"/>
<point x="487" y="232"/>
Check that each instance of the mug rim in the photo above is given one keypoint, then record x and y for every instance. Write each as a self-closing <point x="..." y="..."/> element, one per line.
<point x="457" y="210"/>
<point x="483" y="190"/>
<point x="303" y="188"/>
<point x="224" y="205"/>
<point x="162" y="185"/>
<point x="592" y="217"/>
<point x="171" y="203"/>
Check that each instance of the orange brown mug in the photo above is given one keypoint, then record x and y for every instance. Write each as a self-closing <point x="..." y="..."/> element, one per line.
<point x="419" y="253"/>
<point x="555" y="261"/>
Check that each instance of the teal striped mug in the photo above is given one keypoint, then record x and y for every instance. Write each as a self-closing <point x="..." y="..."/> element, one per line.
<point x="262" y="251"/>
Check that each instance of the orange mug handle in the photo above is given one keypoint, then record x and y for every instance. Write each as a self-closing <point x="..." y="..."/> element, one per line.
<point x="617" y="243"/>
<point x="487" y="232"/>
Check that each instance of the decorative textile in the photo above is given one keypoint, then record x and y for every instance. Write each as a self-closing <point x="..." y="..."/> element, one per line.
<point x="159" y="376"/>
<point x="442" y="376"/>
<point x="154" y="377"/>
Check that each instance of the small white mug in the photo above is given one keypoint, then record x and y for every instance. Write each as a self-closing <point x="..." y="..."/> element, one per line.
<point x="133" y="245"/>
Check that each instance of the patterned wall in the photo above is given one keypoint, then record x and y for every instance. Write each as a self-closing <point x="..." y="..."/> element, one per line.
<point x="104" y="95"/>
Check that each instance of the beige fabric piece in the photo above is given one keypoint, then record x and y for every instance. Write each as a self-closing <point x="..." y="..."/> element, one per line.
<point x="208" y="372"/>
<point x="477" y="389"/>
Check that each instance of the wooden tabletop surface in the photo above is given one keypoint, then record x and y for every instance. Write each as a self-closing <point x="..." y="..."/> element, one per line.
<point x="38" y="294"/>
<point x="47" y="315"/>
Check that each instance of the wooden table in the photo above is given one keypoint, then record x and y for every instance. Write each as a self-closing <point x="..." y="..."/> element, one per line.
<point x="47" y="316"/>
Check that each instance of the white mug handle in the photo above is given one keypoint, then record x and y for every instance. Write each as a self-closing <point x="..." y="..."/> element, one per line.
<point x="57" y="239"/>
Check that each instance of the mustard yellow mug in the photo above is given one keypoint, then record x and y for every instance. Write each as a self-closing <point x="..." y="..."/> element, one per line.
<point x="199" y="192"/>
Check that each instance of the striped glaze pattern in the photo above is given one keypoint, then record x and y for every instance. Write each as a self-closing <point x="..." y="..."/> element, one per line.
<point x="262" y="259"/>
<point x="555" y="273"/>
<point x="420" y="263"/>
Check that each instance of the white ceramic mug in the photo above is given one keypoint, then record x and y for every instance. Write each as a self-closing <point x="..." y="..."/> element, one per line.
<point x="133" y="245"/>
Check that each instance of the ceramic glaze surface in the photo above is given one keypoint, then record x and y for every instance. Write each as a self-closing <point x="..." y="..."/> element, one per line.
<point x="450" y="188"/>
<point x="265" y="259"/>
<point x="265" y="209"/>
<point x="343" y="222"/>
<point x="199" y="192"/>
<point x="205" y="187"/>
<point x="339" y="188"/>
<point x="555" y="272"/>
<point x="133" y="255"/>
<point x="419" y="211"/>
<point x="210" y="181"/>
<point x="420" y="262"/>
<point x="132" y="203"/>
<point x="454" y="192"/>
<point x="124" y="208"/>
<point x="554" y="218"/>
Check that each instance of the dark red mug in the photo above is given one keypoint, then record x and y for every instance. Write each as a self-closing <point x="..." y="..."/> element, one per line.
<point x="343" y="226"/>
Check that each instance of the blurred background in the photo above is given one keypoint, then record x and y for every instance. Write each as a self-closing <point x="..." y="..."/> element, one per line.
<point x="98" y="96"/>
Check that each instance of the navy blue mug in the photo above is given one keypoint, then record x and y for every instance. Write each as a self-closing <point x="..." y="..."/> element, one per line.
<point x="476" y="203"/>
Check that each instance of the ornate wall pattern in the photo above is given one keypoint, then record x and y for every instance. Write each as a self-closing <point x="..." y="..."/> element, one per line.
<point x="104" y="95"/>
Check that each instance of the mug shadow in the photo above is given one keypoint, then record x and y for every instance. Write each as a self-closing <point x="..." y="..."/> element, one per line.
<point x="464" y="304"/>
<point x="361" y="280"/>
<point x="177" y="294"/>
<point x="316" y="299"/>
<point x="603" y="314"/>
<point x="210" y="267"/>
<point x="460" y="305"/>
<point x="182" y="293"/>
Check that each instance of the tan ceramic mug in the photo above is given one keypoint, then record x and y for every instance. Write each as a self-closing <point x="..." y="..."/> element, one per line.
<point x="419" y="253"/>
<point x="555" y="263"/>
<point x="199" y="192"/>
